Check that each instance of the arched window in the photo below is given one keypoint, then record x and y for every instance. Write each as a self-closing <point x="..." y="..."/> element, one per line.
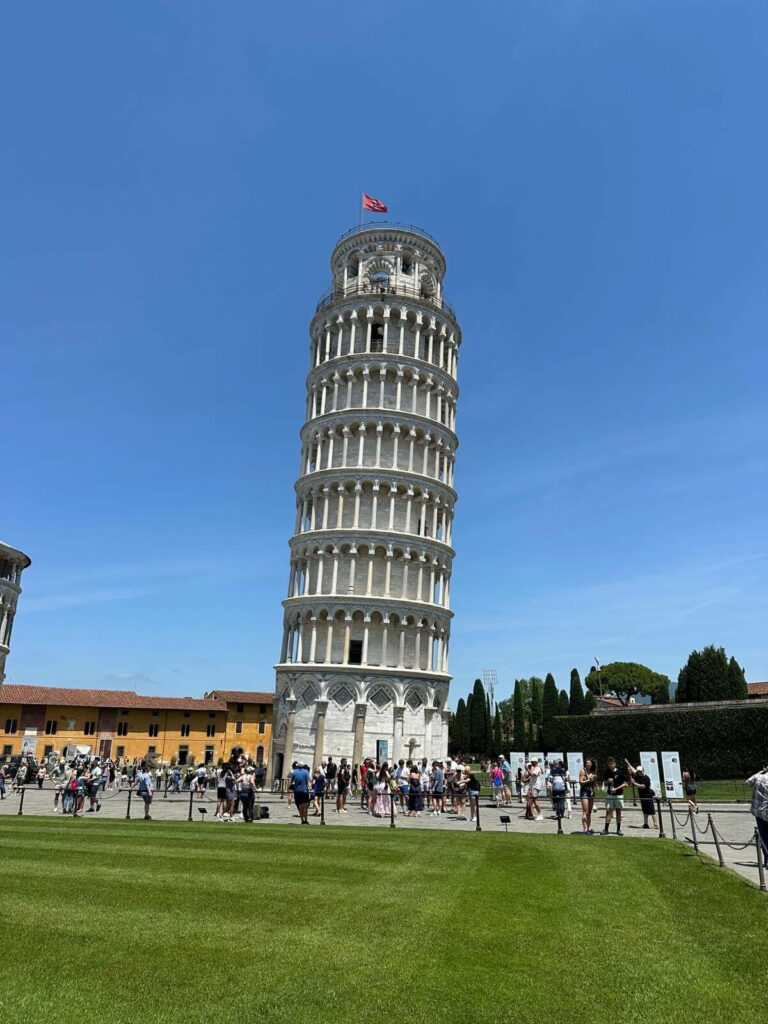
<point x="260" y="755"/>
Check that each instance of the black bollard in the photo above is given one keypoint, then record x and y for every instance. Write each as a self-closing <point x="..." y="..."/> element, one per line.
<point x="693" y="830"/>
<point x="672" y="819"/>
<point x="282" y="789"/>
<point x="191" y="798"/>
<point x="322" y="808"/>
<point x="477" y="812"/>
<point x="559" y="824"/>
<point x="128" y="809"/>
<point x="391" y="809"/>
<point x="760" y="859"/>
<point x="21" y="801"/>
<point x="661" y="820"/>
<point x="717" y="844"/>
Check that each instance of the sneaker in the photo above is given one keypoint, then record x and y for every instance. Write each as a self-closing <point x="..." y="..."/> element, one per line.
<point x="646" y="826"/>
<point x="473" y="819"/>
<point x="619" y="832"/>
<point x="539" y="817"/>
<point x="605" y="831"/>
<point x="89" y="811"/>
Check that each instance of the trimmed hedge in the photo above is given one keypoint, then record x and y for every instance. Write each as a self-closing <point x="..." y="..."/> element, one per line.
<point x="717" y="743"/>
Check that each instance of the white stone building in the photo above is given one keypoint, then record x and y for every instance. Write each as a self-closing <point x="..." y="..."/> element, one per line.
<point x="12" y="564"/>
<point x="363" y="669"/>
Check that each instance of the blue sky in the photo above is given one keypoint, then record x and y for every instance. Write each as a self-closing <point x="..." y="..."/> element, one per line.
<point x="173" y="177"/>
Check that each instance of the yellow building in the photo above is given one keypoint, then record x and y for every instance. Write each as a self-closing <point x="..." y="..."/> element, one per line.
<point x="249" y="721"/>
<point x="121" y="723"/>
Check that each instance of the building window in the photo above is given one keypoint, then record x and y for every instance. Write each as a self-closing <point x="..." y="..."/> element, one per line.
<point x="183" y="753"/>
<point x="355" y="652"/>
<point x="7" y="749"/>
<point x="208" y="755"/>
<point x="89" y="729"/>
<point x="187" y="714"/>
<point x="262" y="728"/>
<point x="51" y="727"/>
<point x="185" y="729"/>
<point x="154" y="729"/>
<point x="238" y="727"/>
<point x="210" y="730"/>
<point x="260" y="755"/>
<point x="262" y="709"/>
<point x="11" y="725"/>
<point x="151" y="750"/>
<point x="123" y="711"/>
<point x="121" y="751"/>
<point x="122" y="728"/>
<point x="47" y="750"/>
<point x="155" y="714"/>
<point x="240" y="709"/>
<point x="211" y="714"/>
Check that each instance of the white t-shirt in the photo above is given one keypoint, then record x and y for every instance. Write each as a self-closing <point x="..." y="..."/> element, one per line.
<point x="534" y="783"/>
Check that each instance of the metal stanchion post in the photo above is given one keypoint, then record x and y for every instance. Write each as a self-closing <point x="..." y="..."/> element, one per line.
<point x="391" y="809"/>
<point x="559" y="824"/>
<point x="693" y="830"/>
<point x="282" y="789"/>
<point x="661" y="820"/>
<point x="21" y="800"/>
<point x="634" y="795"/>
<point x="477" y="813"/>
<point x="760" y="859"/>
<point x="322" y="808"/>
<point x="717" y="844"/>
<point x="672" y="819"/>
<point x="191" y="798"/>
<point x="128" y="808"/>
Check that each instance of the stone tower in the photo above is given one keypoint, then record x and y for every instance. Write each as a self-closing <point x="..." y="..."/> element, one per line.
<point x="363" y="669"/>
<point x="12" y="564"/>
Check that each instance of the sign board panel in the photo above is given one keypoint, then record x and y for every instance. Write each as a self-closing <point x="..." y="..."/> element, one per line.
<point x="649" y="762"/>
<point x="673" y="780"/>
<point x="575" y="764"/>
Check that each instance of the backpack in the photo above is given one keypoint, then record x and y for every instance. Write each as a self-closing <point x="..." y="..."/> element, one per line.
<point x="558" y="784"/>
<point x="72" y="787"/>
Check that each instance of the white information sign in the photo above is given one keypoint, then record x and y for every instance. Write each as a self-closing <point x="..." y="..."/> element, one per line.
<point x="649" y="762"/>
<point x="537" y="753"/>
<point x="575" y="764"/>
<point x="554" y="756"/>
<point x="673" y="780"/>
<point x="516" y="760"/>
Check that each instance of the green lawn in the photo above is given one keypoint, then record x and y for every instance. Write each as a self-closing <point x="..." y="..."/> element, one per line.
<point x="198" y="924"/>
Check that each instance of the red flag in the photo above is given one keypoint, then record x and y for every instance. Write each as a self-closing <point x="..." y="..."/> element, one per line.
<point x="375" y="205"/>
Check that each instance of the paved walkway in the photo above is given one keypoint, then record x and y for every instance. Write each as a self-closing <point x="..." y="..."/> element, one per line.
<point x="732" y="821"/>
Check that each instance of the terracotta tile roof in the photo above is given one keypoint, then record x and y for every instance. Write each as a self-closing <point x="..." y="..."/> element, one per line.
<point x="757" y="689"/>
<point x="243" y="696"/>
<point x="70" y="697"/>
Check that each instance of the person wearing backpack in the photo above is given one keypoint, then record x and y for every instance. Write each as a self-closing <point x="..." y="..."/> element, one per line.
<point x="559" y="783"/>
<point x="146" y="790"/>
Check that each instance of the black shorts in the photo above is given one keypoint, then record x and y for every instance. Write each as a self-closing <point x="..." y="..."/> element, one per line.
<point x="342" y="789"/>
<point x="301" y="798"/>
<point x="221" y="793"/>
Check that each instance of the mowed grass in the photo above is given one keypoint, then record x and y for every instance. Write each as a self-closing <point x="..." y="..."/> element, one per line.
<point x="117" y="922"/>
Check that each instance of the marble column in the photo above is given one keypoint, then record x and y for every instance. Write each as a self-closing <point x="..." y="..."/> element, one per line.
<point x="357" y="750"/>
<point x="321" y="707"/>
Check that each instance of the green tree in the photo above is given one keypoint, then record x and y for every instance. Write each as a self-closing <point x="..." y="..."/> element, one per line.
<point x="518" y="715"/>
<point x="497" y="741"/>
<point x="590" y="702"/>
<point x="663" y="696"/>
<point x="460" y="728"/>
<point x="551" y="708"/>
<point x="564" y="705"/>
<point x="488" y="726"/>
<point x="576" y="701"/>
<point x="477" y="725"/>
<point x="737" y="681"/>
<point x="537" y="703"/>
<point x="705" y="676"/>
<point x="506" y="710"/>
<point x="625" y="679"/>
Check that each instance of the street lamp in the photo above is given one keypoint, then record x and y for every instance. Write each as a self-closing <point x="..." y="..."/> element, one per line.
<point x="599" y="676"/>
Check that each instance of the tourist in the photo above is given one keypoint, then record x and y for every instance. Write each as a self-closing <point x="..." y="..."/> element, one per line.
<point x="145" y="789"/>
<point x="343" y="777"/>
<point x="230" y="787"/>
<point x="2" y="782"/>
<point x="587" y="783"/>
<point x="558" y="779"/>
<point x="614" y="784"/>
<point x="318" y="790"/>
<point x="506" y="771"/>
<point x="437" y="786"/>
<point x="642" y="780"/>
<point x="415" y="802"/>
<point x="401" y="778"/>
<point x="353" y="782"/>
<point x="519" y="785"/>
<point x="258" y="776"/>
<point x="460" y="781"/>
<point x="300" y="783"/>
<point x="41" y="773"/>
<point x="93" y="779"/>
<point x="19" y="778"/>
<point x="497" y="784"/>
<point x="247" y="791"/>
<point x="473" y="790"/>
<point x="80" y="789"/>
<point x="330" y="775"/>
<point x="426" y="780"/>
<point x="689" y="787"/>
<point x="759" y="808"/>
<point x="384" y="799"/>
<point x="534" y="789"/>
<point x="370" y="785"/>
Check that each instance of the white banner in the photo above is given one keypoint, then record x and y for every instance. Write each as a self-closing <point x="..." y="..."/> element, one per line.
<point x="575" y="764"/>
<point x="516" y="760"/>
<point x="673" y="780"/>
<point x="554" y="756"/>
<point x="649" y="762"/>
<point x="537" y="753"/>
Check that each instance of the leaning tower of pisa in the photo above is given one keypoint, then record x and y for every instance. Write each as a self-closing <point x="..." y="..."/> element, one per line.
<point x="363" y="670"/>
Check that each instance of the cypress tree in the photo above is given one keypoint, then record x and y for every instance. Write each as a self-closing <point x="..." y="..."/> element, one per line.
<point x="681" y="693"/>
<point x="477" y="721"/>
<point x="590" y="702"/>
<point x="497" y="742"/>
<point x="537" y="705"/>
<point x="488" y="726"/>
<point x="518" y="713"/>
<point x="550" y="708"/>
<point x="663" y="694"/>
<point x="737" y="682"/>
<point x="460" y="733"/>
<point x="564" y="705"/>
<point x="576" y="700"/>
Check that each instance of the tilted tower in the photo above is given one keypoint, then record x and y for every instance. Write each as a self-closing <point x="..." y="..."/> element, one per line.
<point x="363" y="670"/>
